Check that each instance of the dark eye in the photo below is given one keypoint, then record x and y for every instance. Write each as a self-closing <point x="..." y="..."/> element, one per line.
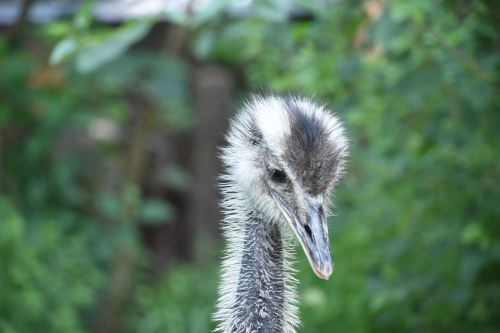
<point x="278" y="176"/>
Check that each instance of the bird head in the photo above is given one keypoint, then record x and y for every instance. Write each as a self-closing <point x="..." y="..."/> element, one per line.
<point x="286" y="156"/>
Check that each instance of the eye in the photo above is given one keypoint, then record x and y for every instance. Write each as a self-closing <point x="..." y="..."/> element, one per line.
<point x="278" y="176"/>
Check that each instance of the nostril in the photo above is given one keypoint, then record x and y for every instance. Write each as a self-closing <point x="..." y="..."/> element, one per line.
<point x="309" y="232"/>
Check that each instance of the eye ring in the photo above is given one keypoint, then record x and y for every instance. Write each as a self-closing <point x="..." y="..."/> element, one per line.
<point x="278" y="176"/>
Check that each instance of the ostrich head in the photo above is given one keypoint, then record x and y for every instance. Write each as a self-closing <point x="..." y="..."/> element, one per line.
<point x="285" y="156"/>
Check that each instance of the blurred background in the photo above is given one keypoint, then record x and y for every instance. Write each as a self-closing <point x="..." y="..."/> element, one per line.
<point x="111" y="112"/>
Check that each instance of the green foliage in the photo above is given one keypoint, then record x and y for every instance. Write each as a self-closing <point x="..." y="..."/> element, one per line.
<point x="62" y="219"/>
<point x="156" y="211"/>
<point x="92" y="50"/>
<point x="416" y="237"/>
<point x="181" y="303"/>
<point x="49" y="279"/>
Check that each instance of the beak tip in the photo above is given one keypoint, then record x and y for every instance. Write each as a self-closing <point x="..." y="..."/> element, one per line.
<point x="325" y="272"/>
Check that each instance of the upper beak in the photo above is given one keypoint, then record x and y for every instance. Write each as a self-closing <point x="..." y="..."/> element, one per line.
<point x="312" y="234"/>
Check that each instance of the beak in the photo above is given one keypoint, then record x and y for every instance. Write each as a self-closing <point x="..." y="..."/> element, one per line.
<point x="312" y="234"/>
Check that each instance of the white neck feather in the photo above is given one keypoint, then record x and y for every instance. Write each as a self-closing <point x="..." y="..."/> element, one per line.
<point x="230" y="308"/>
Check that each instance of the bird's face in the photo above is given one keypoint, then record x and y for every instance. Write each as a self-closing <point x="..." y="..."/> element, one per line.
<point x="305" y="214"/>
<point x="299" y="178"/>
<point x="286" y="156"/>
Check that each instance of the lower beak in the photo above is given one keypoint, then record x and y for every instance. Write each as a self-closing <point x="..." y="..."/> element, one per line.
<point x="312" y="235"/>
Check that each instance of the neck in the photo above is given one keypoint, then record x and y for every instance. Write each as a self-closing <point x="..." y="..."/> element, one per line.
<point x="257" y="293"/>
<point x="260" y="291"/>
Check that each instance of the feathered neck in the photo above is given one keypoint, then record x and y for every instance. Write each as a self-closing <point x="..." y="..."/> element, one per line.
<point x="257" y="291"/>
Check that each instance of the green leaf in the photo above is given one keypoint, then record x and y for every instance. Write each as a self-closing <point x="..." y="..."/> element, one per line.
<point x="109" y="205"/>
<point x="179" y="17"/>
<point x="176" y="178"/>
<point x="204" y="44"/>
<point x="64" y="49"/>
<point x="209" y="11"/>
<point x="83" y="17"/>
<point x="156" y="212"/>
<point x="111" y="47"/>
